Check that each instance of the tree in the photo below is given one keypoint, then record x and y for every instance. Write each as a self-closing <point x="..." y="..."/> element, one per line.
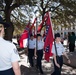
<point x="9" y="6"/>
<point x="63" y="12"/>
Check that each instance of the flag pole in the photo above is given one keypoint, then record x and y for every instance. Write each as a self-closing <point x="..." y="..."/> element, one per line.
<point x="36" y="32"/>
<point x="55" y="49"/>
<point x="36" y="37"/>
<point x="28" y="33"/>
<point x="56" y="52"/>
<point x="28" y="39"/>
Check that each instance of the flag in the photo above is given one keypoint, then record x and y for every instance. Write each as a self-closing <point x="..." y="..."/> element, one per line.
<point x="33" y="25"/>
<point x="34" y="32"/>
<point x="24" y="37"/>
<point x="48" y="37"/>
<point x="41" y="25"/>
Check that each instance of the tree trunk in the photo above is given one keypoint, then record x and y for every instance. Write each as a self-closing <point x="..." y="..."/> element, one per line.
<point x="9" y="30"/>
<point x="43" y="13"/>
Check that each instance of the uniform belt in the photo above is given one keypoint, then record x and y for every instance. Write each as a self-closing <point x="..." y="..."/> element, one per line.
<point x="7" y="72"/>
<point x="31" y="48"/>
<point x="59" y="56"/>
<point x="40" y="49"/>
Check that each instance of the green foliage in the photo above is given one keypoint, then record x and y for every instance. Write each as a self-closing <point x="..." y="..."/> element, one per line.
<point x="62" y="11"/>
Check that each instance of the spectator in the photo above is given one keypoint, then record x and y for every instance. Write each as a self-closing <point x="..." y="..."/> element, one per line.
<point x="71" y="41"/>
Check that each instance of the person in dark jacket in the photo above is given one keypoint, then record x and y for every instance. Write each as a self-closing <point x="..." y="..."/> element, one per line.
<point x="71" y="41"/>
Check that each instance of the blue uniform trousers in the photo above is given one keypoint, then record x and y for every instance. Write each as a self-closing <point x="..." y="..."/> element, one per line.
<point x="30" y="56"/>
<point x="57" y="71"/>
<point x="7" y="72"/>
<point x="39" y="58"/>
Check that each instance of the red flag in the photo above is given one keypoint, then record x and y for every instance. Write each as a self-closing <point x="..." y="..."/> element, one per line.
<point x="24" y="37"/>
<point x="34" y="32"/>
<point x="48" y="38"/>
<point x="33" y="24"/>
<point x="41" y="25"/>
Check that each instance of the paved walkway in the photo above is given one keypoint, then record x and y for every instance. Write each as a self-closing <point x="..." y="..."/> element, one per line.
<point x="47" y="67"/>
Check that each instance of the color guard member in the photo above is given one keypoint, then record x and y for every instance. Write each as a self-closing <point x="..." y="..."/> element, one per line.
<point x="40" y="46"/>
<point x="58" y="56"/>
<point x="31" y="50"/>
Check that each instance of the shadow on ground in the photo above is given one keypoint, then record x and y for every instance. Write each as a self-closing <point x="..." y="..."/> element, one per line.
<point x="47" y="66"/>
<point x="31" y="71"/>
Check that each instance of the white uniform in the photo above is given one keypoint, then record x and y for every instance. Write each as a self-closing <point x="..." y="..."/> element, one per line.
<point x="8" y="54"/>
<point x="60" y="49"/>
<point x="32" y="43"/>
<point x="40" y="45"/>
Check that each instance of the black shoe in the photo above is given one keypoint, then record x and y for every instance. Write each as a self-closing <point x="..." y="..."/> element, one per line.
<point x="31" y="65"/>
<point x="36" y="67"/>
<point x="41" y="72"/>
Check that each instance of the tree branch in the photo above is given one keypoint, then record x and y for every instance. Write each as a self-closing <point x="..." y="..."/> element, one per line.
<point x="19" y="1"/>
<point x="42" y="4"/>
<point x="8" y="2"/>
<point x="14" y="6"/>
<point x="55" y="8"/>
<point x="17" y="19"/>
<point x="47" y="4"/>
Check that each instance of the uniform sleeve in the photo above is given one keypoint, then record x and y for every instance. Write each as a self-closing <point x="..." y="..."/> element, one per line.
<point x="63" y="50"/>
<point x="43" y="44"/>
<point x="53" y="49"/>
<point x="35" y="43"/>
<point x="14" y="55"/>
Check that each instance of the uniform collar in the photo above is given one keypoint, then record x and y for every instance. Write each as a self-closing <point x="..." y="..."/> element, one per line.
<point x="1" y="38"/>
<point x="58" y="43"/>
<point x="39" y="40"/>
<point x="31" y="39"/>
